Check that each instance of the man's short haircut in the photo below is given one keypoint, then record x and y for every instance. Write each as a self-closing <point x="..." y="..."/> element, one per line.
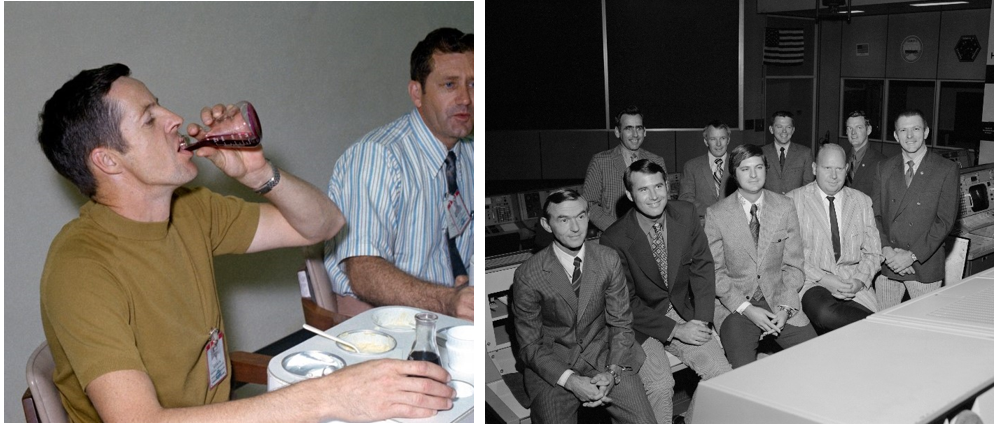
<point x="78" y="119"/>
<point x="784" y="113"/>
<point x="442" y="40"/>
<point x="645" y="166"/>
<point x="630" y="110"/>
<point x="718" y="125"/>
<point x="741" y="153"/>
<point x="912" y="112"/>
<point x="830" y="147"/>
<point x="859" y="114"/>
<point x="560" y="196"/>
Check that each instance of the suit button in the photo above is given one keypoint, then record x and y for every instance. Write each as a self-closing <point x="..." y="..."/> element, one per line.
<point x="757" y="276"/>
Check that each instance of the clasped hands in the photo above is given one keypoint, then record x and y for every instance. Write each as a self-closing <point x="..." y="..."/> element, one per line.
<point x="842" y="288"/>
<point x="769" y="322"/>
<point x="591" y="391"/>
<point x="899" y="260"/>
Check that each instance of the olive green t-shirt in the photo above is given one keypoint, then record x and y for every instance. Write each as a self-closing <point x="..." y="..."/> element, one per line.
<point x="117" y="294"/>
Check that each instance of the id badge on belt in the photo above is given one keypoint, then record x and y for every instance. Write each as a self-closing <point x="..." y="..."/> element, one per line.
<point x="215" y="349"/>
<point x="458" y="217"/>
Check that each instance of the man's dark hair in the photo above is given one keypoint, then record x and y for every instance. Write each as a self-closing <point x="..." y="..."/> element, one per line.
<point x="911" y="112"/>
<point x="741" y="153"/>
<point x="859" y="114"/>
<point x="645" y="166"/>
<point x="783" y="113"/>
<point x="78" y="119"/>
<point x="442" y="40"/>
<point x="560" y="196"/>
<point x="630" y="110"/>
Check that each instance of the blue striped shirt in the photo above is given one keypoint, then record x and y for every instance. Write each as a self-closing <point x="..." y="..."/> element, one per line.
<point x="391" y="186"/>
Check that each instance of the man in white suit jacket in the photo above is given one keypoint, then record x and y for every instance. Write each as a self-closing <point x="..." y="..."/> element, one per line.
<point x="842" y="263"/>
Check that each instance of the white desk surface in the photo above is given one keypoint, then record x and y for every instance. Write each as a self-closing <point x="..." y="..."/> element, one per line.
<point x="873" y="371"/>
<point x="463" y="407"/>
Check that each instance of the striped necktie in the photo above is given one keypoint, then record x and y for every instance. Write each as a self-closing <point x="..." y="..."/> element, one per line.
<point x="909" y="173"/>
<point x="718" y="176"/>
<point x="754" y="227"/>
<point x="457" y="266"/>
<point x="576" y="275"/>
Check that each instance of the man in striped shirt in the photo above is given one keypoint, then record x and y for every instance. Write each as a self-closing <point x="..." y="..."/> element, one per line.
<point x="406" y="189"/>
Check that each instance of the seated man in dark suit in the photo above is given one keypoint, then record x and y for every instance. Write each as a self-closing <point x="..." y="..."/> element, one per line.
<point x="671" y="281"/>
<point x="842" y="245"/>
<point x="790" y="164"/>
<point x="573" y="324"/>
<point x="863" y="159"/>
<point x="705" y="178"/>
<point x="756" y="245"/>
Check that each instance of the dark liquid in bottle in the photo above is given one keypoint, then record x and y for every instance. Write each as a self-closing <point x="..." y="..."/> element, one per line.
<point x="425" y="356"/>
<point x="226" y="141"/>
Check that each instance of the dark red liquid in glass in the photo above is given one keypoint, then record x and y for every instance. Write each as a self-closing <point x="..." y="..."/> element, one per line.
<point x="425" y="356"/>
<point x="226" y="141"/>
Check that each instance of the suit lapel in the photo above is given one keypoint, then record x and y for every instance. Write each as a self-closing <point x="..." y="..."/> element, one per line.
<point x="557" y="279"/>
<point x="735" y="217"/>
<point x="588" y="285"/>
<point x="674" y="233"/>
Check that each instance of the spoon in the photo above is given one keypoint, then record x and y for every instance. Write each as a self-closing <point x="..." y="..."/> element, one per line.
<point x="330" y="337"/>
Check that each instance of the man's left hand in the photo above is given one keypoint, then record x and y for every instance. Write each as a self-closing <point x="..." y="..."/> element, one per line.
<point x="855" y="286"/>
<point x="462" y="301"/>
<point x="605" y="383"/>
<point x="899" y="261"/>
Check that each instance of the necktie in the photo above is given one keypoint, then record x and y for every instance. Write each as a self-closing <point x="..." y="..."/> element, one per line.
<point x="457" y="267"/>
<point x="853" y="165"/>
<point x="634" y="157"/>
<point x="782" y="159"/>
<point x="834" y="226"/>
<point x="718" y="176"/>
<point x="576" y="275"/>
<point x="754" y="227"/>
<point x="909" y="173"/>
<point x="659" y="251"/>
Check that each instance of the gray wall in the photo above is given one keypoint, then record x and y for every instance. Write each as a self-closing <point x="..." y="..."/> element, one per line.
<point x="320" y="75"/>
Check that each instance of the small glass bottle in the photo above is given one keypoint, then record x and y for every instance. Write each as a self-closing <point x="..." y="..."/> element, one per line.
<point x="425" y="344"/>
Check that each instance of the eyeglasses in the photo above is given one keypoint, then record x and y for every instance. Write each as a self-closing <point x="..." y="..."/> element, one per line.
<point x="635" y="129"/>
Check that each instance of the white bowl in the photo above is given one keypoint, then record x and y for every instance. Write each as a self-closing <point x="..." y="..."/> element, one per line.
<point x="461" y="337"/>
<point x="396" y="318"/>
<point x="369" y="342"/>
<point x="461" y="359"/>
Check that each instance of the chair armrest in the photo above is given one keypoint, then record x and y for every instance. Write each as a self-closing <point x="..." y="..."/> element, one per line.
<point x="249" y="367"/>
<point x="319" y="317"/>
<point x="28" y="403"/>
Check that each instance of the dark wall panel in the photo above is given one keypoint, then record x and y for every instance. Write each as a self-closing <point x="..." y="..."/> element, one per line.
<point x="869" y="30"/>
<point x="954" y="25"/>
<point x="513" y="155"/>
<point x="677" y="61"/>
<point x="926" y="28"/>
<point x="566" y="154"/>
<point x="546" y="60"/>
<point x="663" y="144"/>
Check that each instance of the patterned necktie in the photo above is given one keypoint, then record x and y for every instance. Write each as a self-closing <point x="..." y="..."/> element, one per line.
<point x="782" y="159"/>
<point x="634" y="157"/>
<point x="659" y="251"/>
<point x="834" y="226"/>
<point x="457" y="266"/>
<point x="718" y="176"/>
<point x="908" y="173"/>
<point x="754" y="227"/>
<point x="576" y="275"/>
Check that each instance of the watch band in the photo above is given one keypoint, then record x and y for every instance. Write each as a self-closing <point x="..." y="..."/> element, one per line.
<point x="270" y="184"/>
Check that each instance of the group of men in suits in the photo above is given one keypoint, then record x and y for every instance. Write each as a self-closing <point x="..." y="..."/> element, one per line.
<point x="591" y="319"/>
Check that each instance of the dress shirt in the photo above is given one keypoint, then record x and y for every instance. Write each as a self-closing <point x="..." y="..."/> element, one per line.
<point x="568" y="261"/>
<point x="712" y="165"/>
<point x="747" y="207"/>
<point x="391" y="186"/>
<point x="568" y="264"/>
<point x="837" y="203"/>
<point x="858" y="155"/>
<point x="916" y="160"/>
<point x="787" y="148"/>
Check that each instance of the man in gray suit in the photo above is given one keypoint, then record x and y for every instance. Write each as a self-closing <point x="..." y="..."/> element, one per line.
<point x="573" y="324"/>
<point x="842" y="245"/>
<point x="915" y="205"/>
<point x="756" y="245"/>
<point x="789" y="165"/>
<point x="603" y="187"/>
<point x="705" y="178"/>
<point x="863" y="159"/>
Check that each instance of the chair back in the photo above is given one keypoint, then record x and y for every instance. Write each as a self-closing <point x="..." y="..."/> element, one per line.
<point x="45" y="400"/>
<point x="957" y="255"/>
<point x="320" y="286"/>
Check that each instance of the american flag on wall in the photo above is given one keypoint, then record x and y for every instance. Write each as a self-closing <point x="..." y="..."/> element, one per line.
<point x="784" y="46"/>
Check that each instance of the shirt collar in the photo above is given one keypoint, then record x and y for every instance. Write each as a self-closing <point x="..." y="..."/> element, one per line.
<point x="712" y="158"/>
<point x="787" y="147"/>
<point x="566" y="260"/>
<point x="916" y="159"/>
<point x="646" y="223"/>
<point x="823" y="194"/>
<point x="432" y="150"/>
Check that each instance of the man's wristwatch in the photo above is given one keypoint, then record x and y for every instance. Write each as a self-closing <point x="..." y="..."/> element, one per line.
<point x="913" y="256"/>
<point x="617" y="377"/>
<point x="790" y="311"/>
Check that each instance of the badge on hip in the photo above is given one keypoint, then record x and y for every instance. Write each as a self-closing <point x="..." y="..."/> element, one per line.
<point x="458" y="217"/>
<point x="215" y="349"/>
